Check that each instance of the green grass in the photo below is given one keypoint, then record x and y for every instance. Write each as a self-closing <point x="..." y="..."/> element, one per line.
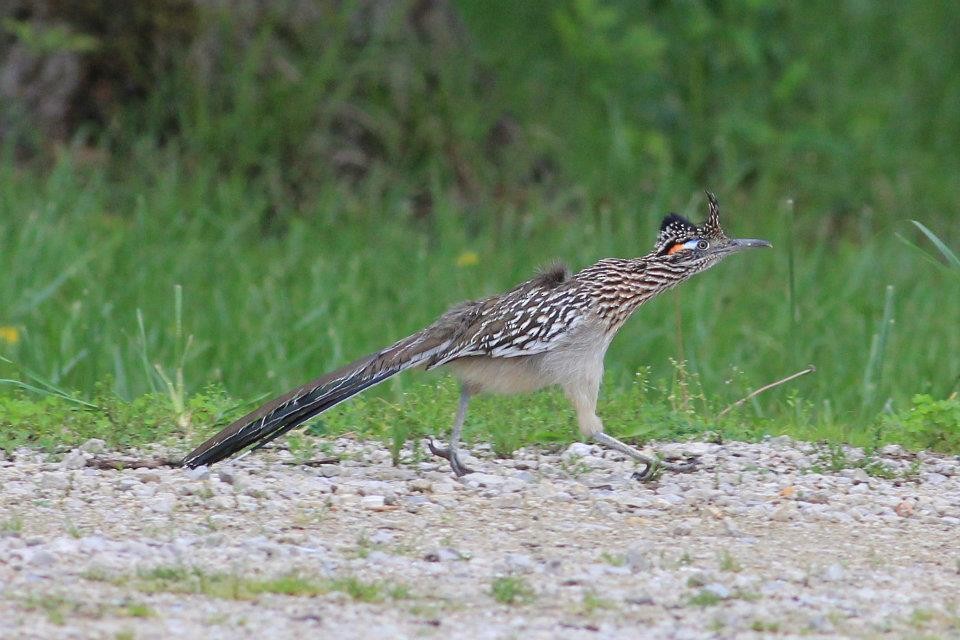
<point x="62" y="609"/>
<point x="183" y="579"/>
<point x="11" y="525"/>
<point x="100" y="316"/>
<point x="729" y="563"/>
<point x="512" y="590"/>
<point x="704" y="599"/>
<point x="147" y="297"/>
<point x="592" y="603"/>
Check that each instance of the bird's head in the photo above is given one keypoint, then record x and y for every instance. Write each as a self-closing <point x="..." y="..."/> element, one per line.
<point x="684" y="244"/>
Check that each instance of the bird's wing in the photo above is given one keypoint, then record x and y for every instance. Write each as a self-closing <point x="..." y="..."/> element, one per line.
<point x="532" y="318"/>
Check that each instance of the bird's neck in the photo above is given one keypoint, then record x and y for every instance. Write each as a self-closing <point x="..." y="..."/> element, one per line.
<point x="620" y="286"/>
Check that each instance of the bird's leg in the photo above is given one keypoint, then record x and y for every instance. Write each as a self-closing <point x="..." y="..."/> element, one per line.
<point x="451" y="453"/>
<point x="583" y="396"/>
<point x="652" y="465"/>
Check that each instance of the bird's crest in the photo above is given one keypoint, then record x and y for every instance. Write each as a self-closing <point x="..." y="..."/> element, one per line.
<point x="675" y="229"/>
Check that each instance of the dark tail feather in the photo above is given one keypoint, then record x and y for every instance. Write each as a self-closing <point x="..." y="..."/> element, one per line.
<point x="276" y="418"/>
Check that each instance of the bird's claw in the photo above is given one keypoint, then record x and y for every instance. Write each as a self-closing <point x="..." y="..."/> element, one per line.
<point x="451" y="456"/>
<point x="652" y="471"/>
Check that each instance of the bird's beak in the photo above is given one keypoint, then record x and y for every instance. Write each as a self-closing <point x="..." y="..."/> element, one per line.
<point x="748" y="243"/>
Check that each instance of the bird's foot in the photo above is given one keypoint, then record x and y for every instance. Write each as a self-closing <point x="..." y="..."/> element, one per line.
<point x="652" y="471"/>
<point x="451" y="456"/>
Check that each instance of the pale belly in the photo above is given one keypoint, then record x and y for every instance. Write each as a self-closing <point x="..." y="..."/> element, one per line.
<point x="500" y="375"/>
<point x="580" y="359"/>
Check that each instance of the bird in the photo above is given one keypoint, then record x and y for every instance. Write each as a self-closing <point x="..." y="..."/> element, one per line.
<point x="551" y="330"/>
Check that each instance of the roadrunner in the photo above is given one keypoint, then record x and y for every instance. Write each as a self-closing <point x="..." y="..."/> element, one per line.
<point x="551" y="330"/>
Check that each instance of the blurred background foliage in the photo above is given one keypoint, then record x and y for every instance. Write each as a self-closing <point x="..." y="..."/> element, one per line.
<point x="321" y="177"/>
<point x="486" y="98"/>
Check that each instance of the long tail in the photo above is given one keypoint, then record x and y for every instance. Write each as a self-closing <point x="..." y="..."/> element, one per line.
<point x="279" y="416"/>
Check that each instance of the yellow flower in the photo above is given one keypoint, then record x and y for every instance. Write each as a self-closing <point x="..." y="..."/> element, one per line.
<point x="468" y="259"/>
<point x="10" y="335"/>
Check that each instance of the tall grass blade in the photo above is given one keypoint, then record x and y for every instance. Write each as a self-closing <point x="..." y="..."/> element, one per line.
<point x="42" y="386"/>
<point x="952" y="259"/>
<point x="873" y="374"/>
<point x="144" y="357"/>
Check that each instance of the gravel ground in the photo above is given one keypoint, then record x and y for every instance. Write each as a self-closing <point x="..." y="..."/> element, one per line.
<point x="756" y="543"/>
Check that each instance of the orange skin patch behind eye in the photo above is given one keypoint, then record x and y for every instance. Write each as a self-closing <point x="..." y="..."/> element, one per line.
<point x="676" y="247"/>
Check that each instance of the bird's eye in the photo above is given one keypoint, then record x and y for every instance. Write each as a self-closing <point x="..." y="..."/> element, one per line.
<point x="696" y="243"/>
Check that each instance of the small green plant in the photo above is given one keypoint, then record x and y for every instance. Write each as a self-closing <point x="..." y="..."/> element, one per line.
<point x="181" y="579"/>
<point x="878" y="469"/>
<point x="364" y="546"/>
<point x="928" y="423"/>
<point x="919" y="618"/>
<point x="358" y="589"/>
<point x="764" y="626"/>
<point x="705" y="598"/>
<point x="717" y="625"/>
<point x="614" y="559"/>
<point x="55" y="607"/>
<point x="729" y="563"/>
<point x="137" y="610"/>
<point x="399" y="592"/>
<point x="97" y="574"/>
<point x="11" y="525"/>
<point x="591" y="602"/>
<point x="830" y="459"/>
<point x="288" y="585"/>
<point x="73" y="531"/>
<point x="511" y="590"/>
<point x="301" y="447"/>
<point x="574" y="466"/>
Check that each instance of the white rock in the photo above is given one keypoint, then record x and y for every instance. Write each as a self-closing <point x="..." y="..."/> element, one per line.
<point x="199" y="473"/>
<point x="483" y="480"/>
<point x="372" y="502"/>
<point x="57" y="480"/>
<point x="519" y="562"/>
<point x="578" y="450"/>
<point x="421" y="485"/>
<point x="74" y="460"/>
<point x="893" y="450"/>
<point x="382" y="536"/>
<point x="859" y="476"/>
<point x="163" y="502"/>
<point x="445" y="554"/>
<point x="125" y="483"/>
<point x="42" y="558"/>
<point x="94" y="544"/>
<point x="222" y="502"/>
<point x="784" y="513"/>
<point x="94" y="445"/>
<point x="144" y="490"/>
<point x="148" y="475"/>
<point x="718" y="590"/>
<point x="513" y="486"/>
<point x="834" y="573"/>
